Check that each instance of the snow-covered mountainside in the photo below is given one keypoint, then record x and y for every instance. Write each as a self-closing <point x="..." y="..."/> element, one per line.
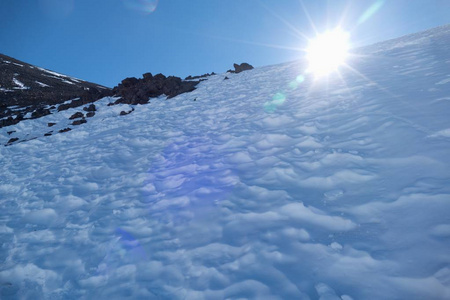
<point x="25" y="84"/>
<point x="28" y="91"/>
<point x="268" y="185"/>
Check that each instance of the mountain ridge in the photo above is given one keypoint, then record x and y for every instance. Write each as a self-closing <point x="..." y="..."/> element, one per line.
<point x="27" y="89"/>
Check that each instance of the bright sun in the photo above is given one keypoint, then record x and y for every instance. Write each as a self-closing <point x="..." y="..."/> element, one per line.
<point x="327" y="52"/>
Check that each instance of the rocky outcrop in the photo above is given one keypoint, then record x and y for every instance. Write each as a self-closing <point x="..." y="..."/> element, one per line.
<point x="138" y="91"/>
<point x="76" y="115"/>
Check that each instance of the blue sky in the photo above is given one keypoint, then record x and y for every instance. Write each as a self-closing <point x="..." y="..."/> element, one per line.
<point x="105" y="41"/>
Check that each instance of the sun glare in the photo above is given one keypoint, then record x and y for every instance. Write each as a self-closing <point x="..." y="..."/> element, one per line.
<point x="327" y="52"/>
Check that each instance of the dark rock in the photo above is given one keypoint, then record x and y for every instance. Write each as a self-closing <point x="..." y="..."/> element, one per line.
<point x="63" y="107"/>
<point x="40" y="112"/>
<point x="93" y="94"/>
<point x="147" y="76"/>
<point x="65" y="130"/>
<point x="226" y="78"/>
<point x="124" y="113"/>
<point x="72" y="104"/>
<point x="89" y="108"/>
<point x="138" y="91"/>
<point x="90" y="114"/>
<point x="79" y="122"/>
<point x="48" y="133"/>
<point x="90" y="95"/>
<point x="11" y="132"/>
<point x="19" y="116"/>
<point x="12" y="140"/>
<point x="184" y="87"/>
<point x="130" y="81"/>
<point x="242" y="67"/>
<point x="76" y="115"/>
<point x="51" y="124"/>
<point x="8" y="122"/>
<point x="159" y="77"/>
<point x="200" y="76"/>
<point x="87" y="96"/>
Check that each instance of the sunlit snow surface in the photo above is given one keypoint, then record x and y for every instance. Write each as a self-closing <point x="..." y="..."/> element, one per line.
<point x="340" y="191"/>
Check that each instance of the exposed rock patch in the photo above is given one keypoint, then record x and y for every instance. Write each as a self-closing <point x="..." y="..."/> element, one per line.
<point x="199" y="76"/>
<point x="90" y="108"/>
<point x="124" y="113"/>
<point x="82" y="101"/>
<point x="9" y="121"/>
<point x="65" y="130"/>
<point x="76" y="115"/>
<point x="12" y="140"/>
<point x="40" y="112"/>
<point x="79" y="122"/>
<point x="138" y="91"/>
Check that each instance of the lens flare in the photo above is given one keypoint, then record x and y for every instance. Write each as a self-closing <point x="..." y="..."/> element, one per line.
<point x="277" y="100"/>
<point x="293" y="85"/>
<point x="300" y="78"/>
<point x="327" y="52"/>
<point x="372" y="10"/>
<point x="145" y="6"/>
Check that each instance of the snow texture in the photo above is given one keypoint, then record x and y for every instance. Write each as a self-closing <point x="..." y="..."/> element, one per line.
<point x="63" y="78"/>
<point x="263" y="188"/>
<point x="19" y="84"/>
<point x="42" y="84"/>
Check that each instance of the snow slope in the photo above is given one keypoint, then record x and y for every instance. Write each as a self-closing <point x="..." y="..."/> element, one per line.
<point x="265" y="187"/>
